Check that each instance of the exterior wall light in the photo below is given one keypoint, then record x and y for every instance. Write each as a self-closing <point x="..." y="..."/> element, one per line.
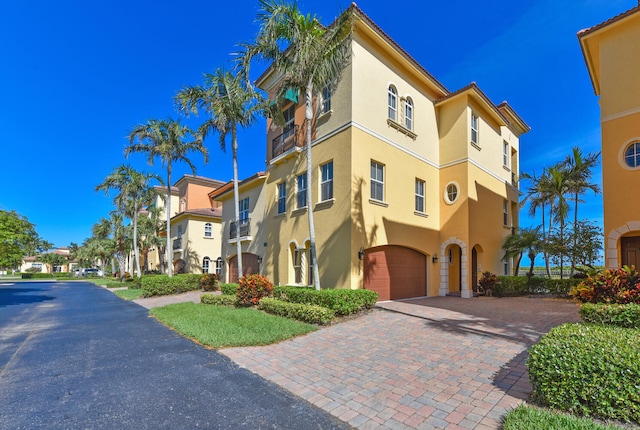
<point x="361" y="253"/>
<point x="434" y="259"/>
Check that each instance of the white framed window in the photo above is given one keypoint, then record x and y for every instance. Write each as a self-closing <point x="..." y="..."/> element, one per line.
<point x="505" y="212"/>
<point x="206" y="261"/>
<point x="244" y="210"/>
<point x="179" y="232"/>
<point x="282" y="197"/>
<point x="326" y="181"/>
<point x="208" y="230"/>
<point x="474" y="128"/>
<point x="377" y="181"/>
<point x="451" y="192"/>
<point x="408" y="113"/>
<point x="392" y="101"/>
<point x="420" y="195"/>
<point x="506" y="268"/>
<point x="219" y="266"/>
<point x="632" y="155"/>
<point x="297" y="265"/>
<point x="505" y="154"/>
<point x="301" y="191"/>
<point x="289" y="121"/>
<point x="326" y="100"/>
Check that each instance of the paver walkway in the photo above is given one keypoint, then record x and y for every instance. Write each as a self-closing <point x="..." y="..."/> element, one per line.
<point x="441" y="362"/>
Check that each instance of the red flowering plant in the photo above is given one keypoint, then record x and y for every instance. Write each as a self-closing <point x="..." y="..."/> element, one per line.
<point x="620" y="286"/>
<point x="252" y="288"/>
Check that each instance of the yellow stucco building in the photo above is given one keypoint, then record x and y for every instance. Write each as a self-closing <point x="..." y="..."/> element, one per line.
<point x="611" y="53"/>
<point x="414" y="186"/>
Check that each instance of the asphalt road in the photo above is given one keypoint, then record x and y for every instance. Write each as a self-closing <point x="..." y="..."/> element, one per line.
<point x="75" y="356"/>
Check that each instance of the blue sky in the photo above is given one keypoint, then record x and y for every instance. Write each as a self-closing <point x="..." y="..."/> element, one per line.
<point x="76" y="76"/>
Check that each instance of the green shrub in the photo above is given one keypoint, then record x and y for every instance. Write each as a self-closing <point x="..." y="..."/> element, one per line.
<point x="488" y="282"/>
<point x="219" y="299"/>
<point x="342" y="301"/>
<point x="610" y="286"/>
<point x="162" y="285"/>
<point x="209" y="282"/>
<point x="229" y="289"/>
<point x="511" y="286"/>
<point x="37" y="276"/>
<point x="312" y="314"/>
<point x="252" y="288"/>
<point x="627" y="315"/>
<point x="27" y="276"/>
<point x="588" y="369"/>
<point x="561" y="287"/>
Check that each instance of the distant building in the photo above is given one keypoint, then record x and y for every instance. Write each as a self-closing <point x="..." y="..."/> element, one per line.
<point x="611" y="51"/>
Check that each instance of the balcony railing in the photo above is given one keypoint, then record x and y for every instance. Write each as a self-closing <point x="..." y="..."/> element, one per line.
<point x="177" y="243"/>
<point x="285" y="141"/>
<point x="245" y="229"/>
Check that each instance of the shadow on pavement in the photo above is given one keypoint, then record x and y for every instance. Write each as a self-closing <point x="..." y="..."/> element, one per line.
<point x="19" y="296"/>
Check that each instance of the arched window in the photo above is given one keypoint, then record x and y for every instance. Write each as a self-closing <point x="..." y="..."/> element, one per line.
<point x="205" y="264"/>
<point x="208" y="230"/>
<point x="632" y="155"/>
<point x="392" y="102"/>
<point x="408" y="113"/>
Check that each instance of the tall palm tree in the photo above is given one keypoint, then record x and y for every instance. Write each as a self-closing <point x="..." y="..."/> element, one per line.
<point x="171" y="142"/>
<point x="578" y="182"/>
<point x="526" y="240"/>
<point x="149" y="237"/>
<point x="229" y="104"/>
<point x="539" y="196"/>
<point x="307" y="57"/>
<point x="558" y="186"/>
<point x="134" y="192"/>
<point x="102" y="231"/>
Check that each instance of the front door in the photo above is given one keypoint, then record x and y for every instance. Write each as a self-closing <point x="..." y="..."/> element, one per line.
<point x="474" y="270"/>
<point x="631" y="251"/>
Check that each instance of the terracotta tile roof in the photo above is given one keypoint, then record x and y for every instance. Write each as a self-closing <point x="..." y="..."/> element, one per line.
<point x="215" y="194"/>
<point x="474" y="87"/>
<point x="212" y="212"/>
<point x="616" y="18"/>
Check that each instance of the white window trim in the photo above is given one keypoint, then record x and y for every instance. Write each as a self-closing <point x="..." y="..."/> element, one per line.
<point x="323" y="182"/>
<point x="421" y="196"/>
<point x="299" y="191"/>
<point x="475" y="141"/>
<point x="392" y="94"/>
<point x="282" y="186"/>
<point x="445" y="195"/>
<point x="377" y="181"/>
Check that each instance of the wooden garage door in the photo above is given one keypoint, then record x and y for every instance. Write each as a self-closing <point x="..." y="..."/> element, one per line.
<point x="395" y="272"/>
<point x="250" y="266"/>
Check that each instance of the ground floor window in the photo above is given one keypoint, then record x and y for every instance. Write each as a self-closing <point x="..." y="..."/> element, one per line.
<point x="205" y="264"/>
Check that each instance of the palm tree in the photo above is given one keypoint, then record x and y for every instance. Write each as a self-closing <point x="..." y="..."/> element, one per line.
<point x="170" y="141"/>
<point x="539" y="196"/>
<point x="134" y="192"/>
<point x="579" y="174"/>
<point x="149" y="237"/>
<point x="230" y="105"/>
<point x="307" y="57"/>
<point x="102" y="231"/>
<point x="557" y="185"/>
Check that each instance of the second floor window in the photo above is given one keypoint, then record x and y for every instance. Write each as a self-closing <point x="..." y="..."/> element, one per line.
<point x="301" y="191"/>
<point x="419" y="195"/>
<point x="377" y="181"/>
<point x="505" y="154"/>
<point x="282" y="197"/>
<point x="326" y="181"/>
<point x="392" y="102"/>
<point x="326" y="100"/>
<point x="208" y="230"/>
<point x="505" y="212"/>
<point x="408" y="114"/>
<point x="474" y="128"/>
<point x="244" y="210"/>
<point x="289" y="121"/>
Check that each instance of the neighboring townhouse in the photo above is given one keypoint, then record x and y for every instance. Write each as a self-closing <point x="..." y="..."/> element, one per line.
<point x="250" y="229"/>
<point x="611" y="53"/>
<point x="33" y="263"/>
<point x="414" y="187"/>
<point x="195" y="227"/>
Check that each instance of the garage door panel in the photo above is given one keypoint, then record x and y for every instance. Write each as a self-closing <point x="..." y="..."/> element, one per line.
<point x="250" y="266"/>
<point x="395" y="272"/>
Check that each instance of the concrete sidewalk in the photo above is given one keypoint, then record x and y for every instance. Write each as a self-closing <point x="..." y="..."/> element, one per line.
<point x="441" y="362"/>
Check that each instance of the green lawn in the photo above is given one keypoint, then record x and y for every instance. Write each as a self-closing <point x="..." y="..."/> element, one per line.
<point x="129" y="294"/>
<point x="221" y="326"/>
<point x="530" y="418"/>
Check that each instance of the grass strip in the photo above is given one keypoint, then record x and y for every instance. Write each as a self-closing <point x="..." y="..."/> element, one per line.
<point x="222" y="326"/>
<point x="129" y="294"/>
<point x="530" y="418"/>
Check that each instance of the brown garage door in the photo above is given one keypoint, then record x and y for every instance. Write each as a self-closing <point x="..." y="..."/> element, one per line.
<point x="395" y="272"/>
<point x="250" y="266"/>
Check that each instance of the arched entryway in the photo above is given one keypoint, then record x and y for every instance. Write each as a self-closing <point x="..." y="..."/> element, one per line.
<point x="454" y="254"/>
<point x="250" y="265"/>
<point x="454" y="268"/>
<point x="476" y="266"/>
<point x="395" y="272"/>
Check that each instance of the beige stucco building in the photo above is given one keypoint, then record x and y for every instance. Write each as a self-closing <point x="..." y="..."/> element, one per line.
<point x="414" y="186"/>
<point x="611" y="53"/>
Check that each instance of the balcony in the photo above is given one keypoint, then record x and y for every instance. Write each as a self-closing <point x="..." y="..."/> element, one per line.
<point x="177" y="244"/>
<point x="285" y="142"/>
<point x="245" y="229"/>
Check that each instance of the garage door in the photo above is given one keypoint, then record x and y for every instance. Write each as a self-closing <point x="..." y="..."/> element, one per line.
<point x="395" y="272"/>
<point x="250" y="266"/>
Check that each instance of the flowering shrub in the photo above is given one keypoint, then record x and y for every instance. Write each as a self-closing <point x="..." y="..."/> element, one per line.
<point x="209" y="282"/>
<point x="488" y="281"/>
<point x="252" y="288"/>
<point x="610" y="286"/>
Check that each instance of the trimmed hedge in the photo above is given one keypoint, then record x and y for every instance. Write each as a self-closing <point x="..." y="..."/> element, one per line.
<point x="229" y="289"/>
<point x="342" y="301"/>
<point x="162" y="285"/>
<point x="219" y="299"/>
<point x="37" y="276"/>
<point x="312" y="314"/>
<point x="588" y="369"/>
<point x="627" y="315"/>
<point x="513" y="286"/>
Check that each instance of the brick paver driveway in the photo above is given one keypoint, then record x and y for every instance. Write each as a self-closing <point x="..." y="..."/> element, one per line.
<point x="439" y="362"/>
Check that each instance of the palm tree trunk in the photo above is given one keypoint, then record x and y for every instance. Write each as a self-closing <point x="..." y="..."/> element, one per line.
<point x="236" y="200"/>
<point x="575" y="237"/>
<point x="546" y="255"/>
<point x="312" y="229"/>
<point x="136" y="250"/>
<point x="169" y="249"/>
